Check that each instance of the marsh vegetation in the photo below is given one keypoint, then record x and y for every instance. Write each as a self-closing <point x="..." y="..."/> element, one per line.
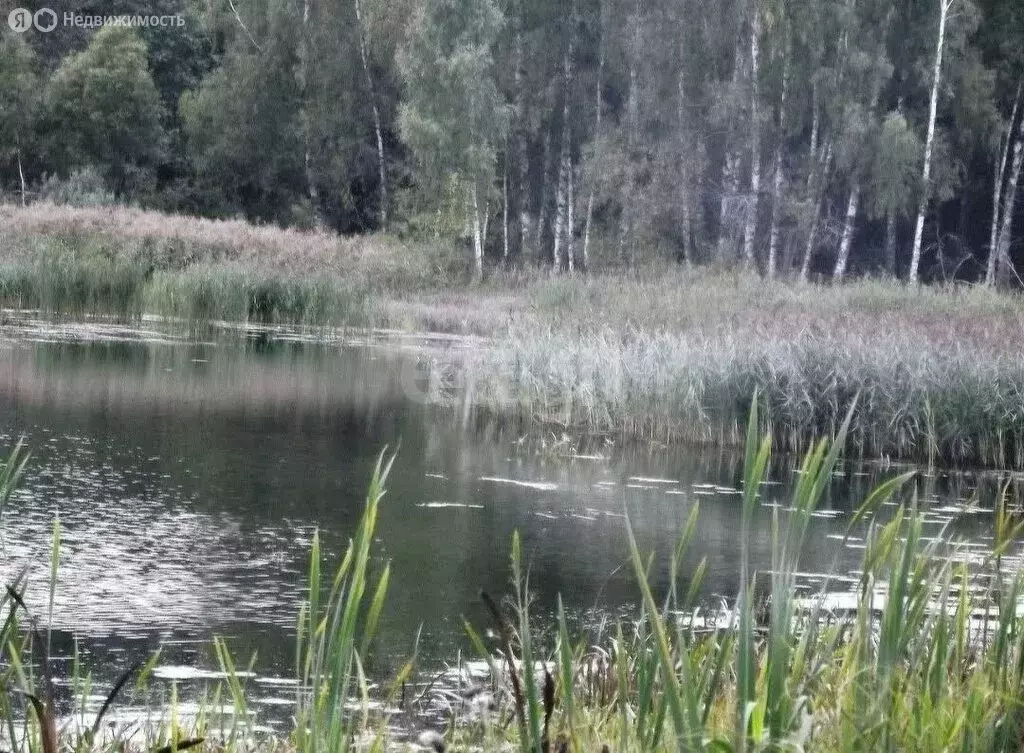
<point x="668" y="354"/>
<point x="929" y="657"/>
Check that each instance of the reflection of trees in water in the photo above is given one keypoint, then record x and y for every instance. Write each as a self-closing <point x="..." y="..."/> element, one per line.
<point x="231" y="453"/>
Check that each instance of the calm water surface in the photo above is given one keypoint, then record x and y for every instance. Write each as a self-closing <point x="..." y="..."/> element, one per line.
<point x="188" y="478"/>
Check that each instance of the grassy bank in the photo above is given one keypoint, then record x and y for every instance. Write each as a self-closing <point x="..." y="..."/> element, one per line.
<point x="924" y="661"/>
<point x="662" y="354"/>
<point x="124" y="262"/>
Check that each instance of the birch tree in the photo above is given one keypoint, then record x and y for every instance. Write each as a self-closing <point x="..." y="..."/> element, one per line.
<point x="453" y="118"/>
<point x="773" y="231"/>
<point x="1005" y="141"/>
<point x="378" y="131"/>
<point x="1002" y="250"/>
<point x="19" y="102"/>
<point x="565" y="173"/>
<point x="753" y="198"/>
<point x="598" y="106"/>
<point x="945" y="6"/>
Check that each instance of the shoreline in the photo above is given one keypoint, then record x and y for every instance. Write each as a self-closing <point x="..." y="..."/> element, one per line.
<point x="667" y="355"/>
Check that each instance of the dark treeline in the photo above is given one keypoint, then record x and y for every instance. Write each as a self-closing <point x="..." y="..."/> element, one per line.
<point x="798" y="136"/>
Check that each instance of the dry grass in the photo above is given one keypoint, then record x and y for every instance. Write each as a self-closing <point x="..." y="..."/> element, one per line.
<point x="668" y="353"/>
<point x="215" y="240"/>
<point x="176" y="242"/>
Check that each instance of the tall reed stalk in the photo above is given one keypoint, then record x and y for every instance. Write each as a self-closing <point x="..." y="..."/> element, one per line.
<point x="334" y="634"/>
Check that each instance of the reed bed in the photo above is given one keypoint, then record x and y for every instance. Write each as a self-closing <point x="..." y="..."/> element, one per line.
<point x="662" y="353"/>
<point x="931" y="658"/>
<point x="914" y="667"/>
<point x="68" y="280"/>
<point x="919" y="401"/>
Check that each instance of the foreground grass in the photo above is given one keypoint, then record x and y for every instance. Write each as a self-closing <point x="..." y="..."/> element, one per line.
<point x="662" y="354"/>
<point x="931" y="658"/>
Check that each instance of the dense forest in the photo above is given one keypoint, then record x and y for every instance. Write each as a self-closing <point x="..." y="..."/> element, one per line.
<point x="798" y="136"/>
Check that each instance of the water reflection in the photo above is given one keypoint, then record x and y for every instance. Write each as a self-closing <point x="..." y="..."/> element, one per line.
<point x="189" y="476"/>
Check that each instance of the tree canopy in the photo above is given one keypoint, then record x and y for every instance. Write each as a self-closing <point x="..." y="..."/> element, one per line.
<point x="799" y="137"/>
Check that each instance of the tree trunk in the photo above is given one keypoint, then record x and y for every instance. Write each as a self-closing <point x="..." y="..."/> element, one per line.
<point x="815" y="125"/>
<point x="632" y="135"/>
<point x="730" y="174"/>
<point x="929" y="144"/>
<point x="522" y="189"/>
<point x="504" y="213"/>
<point x="819" y="178"/>
<point x="1003" y="264"/>
<point x="597" y="132"/>
<point x="21" y="178"/>
<point x="478" y="241"/>
<point x="304" y="70"/>
<point x="561" y="206"/>
<point x="812" y="242"/>
<point x="993" y="244"/>
<point x="377" y="129"/>
<point x="750" y="230"/>
<point x="848" y="230"/>
<point x="544" y="211"/>
<point x="565" y="167"/>
<point x="773" y="234"/>
<point x="570" y="231"/>
<point x="890" y="242"/>
<point x="486" y="223"/>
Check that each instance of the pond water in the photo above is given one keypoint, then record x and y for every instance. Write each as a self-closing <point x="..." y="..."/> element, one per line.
<point x="188" y="477"/>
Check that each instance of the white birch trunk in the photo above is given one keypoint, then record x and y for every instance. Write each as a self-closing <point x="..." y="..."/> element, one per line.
<point x="993" y="244"/>
<point x="684" y="152"/>
<point x="377" y="128"/>
<point x="521" y="156"/>
<point x="633" y="125"/>
<point x="815" y="125"/>
<point x="812" y="242"/>
<point x="1009" y="201"/>
<point x="750" y="230"/>
<point x="21" y="178"/>
<point x="304" y="68"/>
<point x="773" y="234"/>
<point x="478" y="241"/>
<point x="570" y="223"/>
<point x="564" y="169"/>
<point x="597" y="132"/>
<point x="929" y="144"/>
<point x="819" y="179"/>
<point x="848" y="229"/>
<point x="504" y="213"/>
<point x="561" y="206"/>
<point x="730" y="174"/>
<point x="486" y="224"/>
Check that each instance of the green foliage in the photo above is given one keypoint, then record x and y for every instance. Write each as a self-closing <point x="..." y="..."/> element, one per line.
<point x="895" y="156"/>
<point x="453" y="118"/>
<point x="19" y="100"/>
<point x="242" y="129"/>
<point x="84" y="187"/>
<point x="102" y="108"/>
